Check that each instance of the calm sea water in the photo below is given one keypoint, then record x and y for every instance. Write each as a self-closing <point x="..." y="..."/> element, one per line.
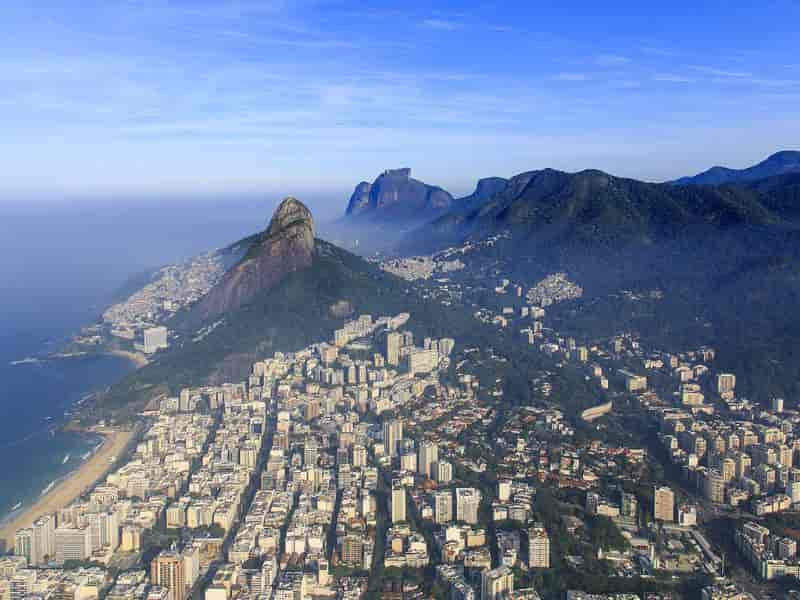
<point x="34" y="395"/>
<point x="60" y="264"/>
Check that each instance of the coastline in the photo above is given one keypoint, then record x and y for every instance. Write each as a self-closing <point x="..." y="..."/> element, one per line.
<point x="138" y="360"/>
<point x="73" y="485"/>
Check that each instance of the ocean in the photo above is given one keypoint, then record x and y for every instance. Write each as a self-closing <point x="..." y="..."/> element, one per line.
<point x="60" y="264"/>
<point x="36" y="391"/>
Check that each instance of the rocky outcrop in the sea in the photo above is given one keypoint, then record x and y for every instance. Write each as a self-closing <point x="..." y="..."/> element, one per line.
<point x="287" y="245"/>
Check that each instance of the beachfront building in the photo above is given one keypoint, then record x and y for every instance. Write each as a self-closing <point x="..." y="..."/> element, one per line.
<point x="73" y="543"/>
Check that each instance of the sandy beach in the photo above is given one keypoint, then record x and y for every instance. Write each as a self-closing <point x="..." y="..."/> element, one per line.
<point x="138" y="359"/>
<point x="73" y="486"/>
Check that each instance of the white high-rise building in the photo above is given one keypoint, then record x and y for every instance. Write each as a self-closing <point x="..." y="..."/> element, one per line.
<point x="428" y="455"/>
<point x="394" y="341"/>
<point x="538" y="547"/>
<point x="398" y="502"/>
<point x="392" y="434"/>
<point x="408" y="460"/>
<point x="23" y="543"/>
<point x="422" y="361"/>
<point x="44" y="538"/>
<point x="726" y="383"/>
<point x="443" y="506"/>
<point x="444" y="471"/>
<point x="191" y="564"/>
<point x="155" y="338"/>
<point x="496" y="583"/>
<point x="37" y="543"/>
<point x="468" y="502"/>
<point x="359" y="456"/>
<point x="663" y="504"/>
<point x="503" y="490"/>
<point x="73" y="543"/>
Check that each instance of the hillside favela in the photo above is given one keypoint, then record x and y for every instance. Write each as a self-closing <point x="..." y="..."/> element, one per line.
<point x="335" y="300"/>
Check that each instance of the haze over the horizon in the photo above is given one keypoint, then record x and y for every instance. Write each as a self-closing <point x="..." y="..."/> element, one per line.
<point x="158" y="97"/>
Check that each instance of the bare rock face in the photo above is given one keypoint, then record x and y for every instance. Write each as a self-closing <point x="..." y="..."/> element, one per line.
<point x="395" y="195"/>
<point x="287" y="245"/>
<point x="359" y="201"/>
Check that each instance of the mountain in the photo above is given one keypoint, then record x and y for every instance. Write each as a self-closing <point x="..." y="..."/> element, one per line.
<point x="484" y="190"/>
<point x="286" y="245"/>
<point x="724" y="261"/>
<point x="780" y="194"/>
<point x="379" y="215"/>
<point x="593" y="209"/>
<point x="305" y="307"/>
<point x="727" y="266"/>
<point x="288" y="290"/>
<point x="395" y="195"/>
<point x="780" y="163"/>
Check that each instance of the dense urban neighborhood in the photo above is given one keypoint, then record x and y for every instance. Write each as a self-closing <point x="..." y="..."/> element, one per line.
<point x="500" y="436"/>
<point x="345" y="300"/>
<point x="374" y="463"/>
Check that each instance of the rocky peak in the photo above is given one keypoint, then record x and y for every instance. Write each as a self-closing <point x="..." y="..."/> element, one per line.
<point x="287" y="245"/>
<point x="396" y="196"/>
<point x="404" y="173"/>
<point x="290" y="213"/>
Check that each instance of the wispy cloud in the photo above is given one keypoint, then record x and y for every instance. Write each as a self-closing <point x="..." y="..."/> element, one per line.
<point x="775" y="82"/>
<point x="673" y="78"/>
<point x="441" y="24"/>
<point x="660" y="51"/>
<point x="716" y="72"/>
<point x="572" y="76"/>
<point x="612" y="60"/>
<point x="284" y="84"/>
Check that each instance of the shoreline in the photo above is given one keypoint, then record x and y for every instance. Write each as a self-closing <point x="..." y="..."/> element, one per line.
<point x="138" y="360"/>
<point x="66" y="490"/>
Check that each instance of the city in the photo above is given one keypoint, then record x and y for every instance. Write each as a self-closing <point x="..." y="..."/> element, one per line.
<point x="352" y="467"/>
<point x="345" y="300"/>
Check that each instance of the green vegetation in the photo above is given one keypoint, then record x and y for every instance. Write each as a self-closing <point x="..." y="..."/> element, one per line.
<point x="603" y="533"/>
<point x="591" y="208"/>
<point x="726" y="259"/>
<point x="155" y="540"/>
<point x="213" y="531"/>
<point x="299" y="311"/>
<point x="73" y="564"/>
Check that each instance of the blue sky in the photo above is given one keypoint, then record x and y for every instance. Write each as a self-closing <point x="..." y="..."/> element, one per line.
<point x="143" y="97"/>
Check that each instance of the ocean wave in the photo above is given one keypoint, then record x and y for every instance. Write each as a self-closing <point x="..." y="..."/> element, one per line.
<point x="30" y="360"/>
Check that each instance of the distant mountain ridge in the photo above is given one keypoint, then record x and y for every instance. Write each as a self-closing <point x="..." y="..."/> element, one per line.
<point x="780" y="163"/>
<point x="395" y="195"/>
<point x="592" y="208"/>
<point x="730" y="253"/>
